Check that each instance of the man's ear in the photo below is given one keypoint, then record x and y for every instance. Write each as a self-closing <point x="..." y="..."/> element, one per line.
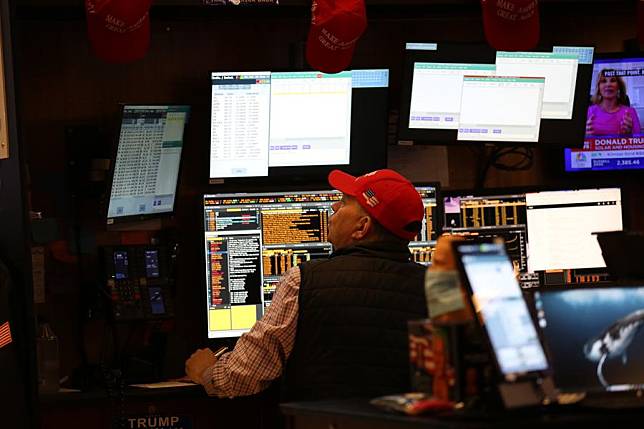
<point x="363" y="228"/>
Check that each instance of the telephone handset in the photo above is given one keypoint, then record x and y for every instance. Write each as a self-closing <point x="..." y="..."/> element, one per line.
<point x="139" y="281"/>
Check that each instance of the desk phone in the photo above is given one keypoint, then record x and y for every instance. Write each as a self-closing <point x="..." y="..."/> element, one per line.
<point x="139" y="282"/>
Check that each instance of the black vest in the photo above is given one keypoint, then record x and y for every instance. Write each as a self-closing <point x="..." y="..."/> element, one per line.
<point x="352" y="325"/>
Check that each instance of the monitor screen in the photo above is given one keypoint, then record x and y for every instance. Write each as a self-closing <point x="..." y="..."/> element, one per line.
<point x="146" y="168"/>
<point x="250" y="240"/>
<point x="151" y="263"/>
<point x="424" y="244"/>
<point x="561" y="226"/>
<point x="593" y="337"/>
<point x="271" y="123"/>
<point x="501" y="215"/>
<point x="121" y="265"/>
<point x="466" y="93"/>
<point x="157" y="306"/>
<point x="499" y="306"/>
<point x="614" y="137"/>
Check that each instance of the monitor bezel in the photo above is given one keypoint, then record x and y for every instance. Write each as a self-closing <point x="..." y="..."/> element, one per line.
<point x="111" y="221"/>
<point x="304" y="174"/>
<point x="481" y="53"/>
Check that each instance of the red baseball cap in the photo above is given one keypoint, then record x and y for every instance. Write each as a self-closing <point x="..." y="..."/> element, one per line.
<point x="511" y="25"/>
<point x="336" y="26"/>
<point x="119" y="30"/>
<point x="387" y="196"/>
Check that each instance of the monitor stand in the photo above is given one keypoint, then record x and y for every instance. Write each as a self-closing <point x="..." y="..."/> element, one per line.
<point x="137" y="225"/>
<point x="527" y="393"/>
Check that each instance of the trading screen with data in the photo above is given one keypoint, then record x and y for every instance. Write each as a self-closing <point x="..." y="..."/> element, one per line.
<point x="423" y="245"/>
<point x="252" y="239"/>
<point x="146" y="168"/>
<point x="493" y="216"/>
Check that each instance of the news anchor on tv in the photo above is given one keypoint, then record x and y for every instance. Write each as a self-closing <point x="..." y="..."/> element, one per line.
<point x="610" y="112"/>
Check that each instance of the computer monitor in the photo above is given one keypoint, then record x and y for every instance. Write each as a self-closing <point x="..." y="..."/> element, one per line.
<point x="613" y="142"/>
<point x="147" y="161"/>
<point x="497" y="301"/>
<point x="497" y="214"/>
<point x="459" y="93"/>
<point x="297" y="123"/>
<point x="251" y="239"/>
<point x="561" y="226"/>
<point x="424" y="244"/>
<point x="593" y="336"/>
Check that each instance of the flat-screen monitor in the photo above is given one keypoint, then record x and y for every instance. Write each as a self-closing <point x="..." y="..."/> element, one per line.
<point x="500" y="308"/>
<point x="297" y="123"/>
<point x="146" y="166"/>
<point x="593" y="337"/>
<point x="614" y="136"/>
<point x="459" y="93"/>
<point x="493" y="215"/>
<point x="424" y="244"/>
<point x="250" y="240"/>
<point x="561" y="226"/>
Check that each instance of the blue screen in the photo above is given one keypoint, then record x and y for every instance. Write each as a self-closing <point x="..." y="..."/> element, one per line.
<point x="151" y="263"/>
<point x="156" y="300"/>
<point x="120" y="265"/>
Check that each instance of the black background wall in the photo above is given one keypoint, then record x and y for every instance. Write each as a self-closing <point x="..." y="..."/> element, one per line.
<point x="62" y="85"/>
<point x="17" y="370"/>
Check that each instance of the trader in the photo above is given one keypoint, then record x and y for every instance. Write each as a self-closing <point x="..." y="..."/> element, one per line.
<point x="336" y="327"/>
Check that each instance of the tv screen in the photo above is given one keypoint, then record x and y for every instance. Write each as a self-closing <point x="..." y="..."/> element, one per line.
<point x="614" y="138"/>
<point x="146" y="166"/>
<point x="251" y="239"/>
<point x="298" y="123"/>
<point x="459" y="93"/>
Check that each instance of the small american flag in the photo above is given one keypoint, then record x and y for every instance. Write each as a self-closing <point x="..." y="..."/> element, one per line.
<point x="5" y="334"/>
<point x="370" y="198"/>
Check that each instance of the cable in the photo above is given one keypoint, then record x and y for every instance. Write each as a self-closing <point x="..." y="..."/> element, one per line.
<point x="493" y="156"/>
<point x="524" y="163"/>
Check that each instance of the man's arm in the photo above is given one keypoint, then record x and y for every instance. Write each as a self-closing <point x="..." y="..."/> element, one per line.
<point x="260" y="355"/>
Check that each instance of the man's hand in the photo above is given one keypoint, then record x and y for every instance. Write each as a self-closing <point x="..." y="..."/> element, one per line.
<point x="198" y="362"/>
<point x="443" y="256"/>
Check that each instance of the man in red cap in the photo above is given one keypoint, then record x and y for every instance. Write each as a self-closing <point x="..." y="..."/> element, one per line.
<point x="337" y="327"/>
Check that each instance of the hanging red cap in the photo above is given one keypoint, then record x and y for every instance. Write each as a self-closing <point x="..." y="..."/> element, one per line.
<point x="511" y="25"/>
<point x="119" y="30"/>
<point x="336" y="26"/>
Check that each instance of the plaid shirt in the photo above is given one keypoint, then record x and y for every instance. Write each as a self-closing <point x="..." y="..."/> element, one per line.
<point x="260" y="355"/>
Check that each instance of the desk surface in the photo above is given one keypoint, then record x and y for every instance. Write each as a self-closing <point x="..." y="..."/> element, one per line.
<point x="358" y="413"/>
<point x="100" y="394"/>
